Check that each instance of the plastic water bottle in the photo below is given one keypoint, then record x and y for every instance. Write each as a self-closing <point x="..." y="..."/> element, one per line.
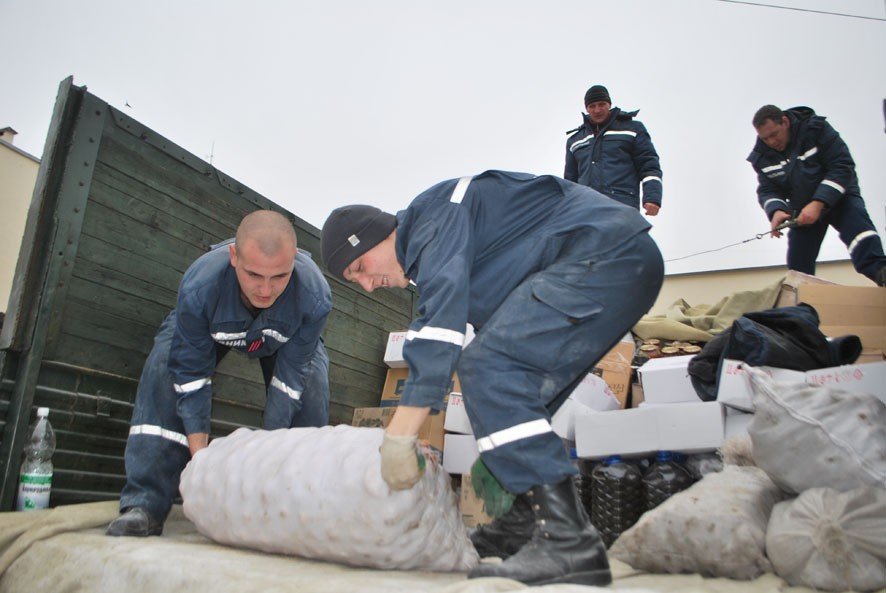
<point x="664" y="478"/>
<point x="35" y="480"/>
<point x="617" y="497"/>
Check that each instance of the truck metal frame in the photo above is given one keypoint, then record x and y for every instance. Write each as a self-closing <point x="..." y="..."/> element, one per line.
<point x="117" y="215"/>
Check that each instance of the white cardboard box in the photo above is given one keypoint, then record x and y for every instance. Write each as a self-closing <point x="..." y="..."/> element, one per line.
<point x="394" y="349"/>
<point x="737" y="424"/>
<point x="684" y="427"/>
<point x="735" y="390"/>
<point x="857" y="378"/>
<point x="666" y="380"/>
<point x="456" y="415"/>
<point x="459" y="453"/>
<point x="592" y="394"/>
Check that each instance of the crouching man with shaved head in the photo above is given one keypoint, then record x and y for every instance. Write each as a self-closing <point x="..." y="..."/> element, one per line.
<point x="257" y="294"/>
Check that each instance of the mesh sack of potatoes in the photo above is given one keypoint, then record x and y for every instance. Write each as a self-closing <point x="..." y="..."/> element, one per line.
<point x="808" y="436"/>
<point x="717" y="528"/>
<point x="830" y="540"/>
<point x="318" y="493"/>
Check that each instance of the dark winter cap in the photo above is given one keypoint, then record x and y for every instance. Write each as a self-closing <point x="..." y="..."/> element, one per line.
<point x="351" y="231"/>
<point x="596" y="93"/>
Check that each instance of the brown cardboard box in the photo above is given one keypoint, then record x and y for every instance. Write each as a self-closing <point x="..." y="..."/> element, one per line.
<point x="844" y="310"/>
<point x="430" y="433"/>
<point x="792" y="282"/>
<point x="396" y="379"/>
<point x="615" y="368"/>
<point x="470" y="505"/>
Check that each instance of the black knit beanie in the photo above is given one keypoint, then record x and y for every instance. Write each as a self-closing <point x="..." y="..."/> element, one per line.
<point x="351" y="231"/>
<point x="596" y="93"/>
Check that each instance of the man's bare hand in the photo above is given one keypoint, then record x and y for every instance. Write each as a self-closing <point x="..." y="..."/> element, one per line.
<point x="651" y="209"/>
<point x="197" y="441"/>
<point x="810" y="213"/>
<point x="779" y="217"/>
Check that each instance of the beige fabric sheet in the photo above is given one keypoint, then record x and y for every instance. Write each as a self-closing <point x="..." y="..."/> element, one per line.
<point x="682" y="321"/>
<point x="65" y="549"/>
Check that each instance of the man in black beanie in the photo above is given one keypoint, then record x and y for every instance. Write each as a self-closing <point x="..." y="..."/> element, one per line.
<point x="551" y="275"/>
<point x="613" y="153"/>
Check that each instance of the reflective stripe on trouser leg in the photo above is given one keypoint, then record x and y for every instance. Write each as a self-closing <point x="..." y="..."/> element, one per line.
<point x="858" y="233"/>
<point x="312" y="406"/>
<point x="156" y="450"/>
<point x="530" y="350"/>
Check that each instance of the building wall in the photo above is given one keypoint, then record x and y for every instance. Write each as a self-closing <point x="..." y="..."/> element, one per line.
<point x="18" y="173"/>
<point x="706" y="288"/>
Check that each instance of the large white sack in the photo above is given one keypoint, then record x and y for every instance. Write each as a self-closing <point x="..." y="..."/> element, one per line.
<point x="830" y="540"/>
<point x="716" y="527"/>
<point x="817" y="437"/>
<point x="318" y="493"/>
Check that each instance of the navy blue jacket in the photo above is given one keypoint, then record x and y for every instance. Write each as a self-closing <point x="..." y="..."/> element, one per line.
<point x="210" y="311"/>
<point x="615" y="159"/>
<point x="816" y="165"/>
<point x="467" y="254"/>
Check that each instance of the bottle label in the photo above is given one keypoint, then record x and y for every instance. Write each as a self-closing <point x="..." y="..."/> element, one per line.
<point x="33" y="491"/>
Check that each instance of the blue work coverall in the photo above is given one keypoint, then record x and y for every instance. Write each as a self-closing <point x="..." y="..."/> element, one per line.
<point x="550" y="273"/>
<point x="616" y="159"/>
<point x="174" y="393"/>
<point x="816" y="165"/>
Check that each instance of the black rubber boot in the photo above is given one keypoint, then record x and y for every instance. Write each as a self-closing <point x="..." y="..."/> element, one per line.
<point x="564" y="548"/>
<point x="506" y="535"/>
<point x="135" y="522"/>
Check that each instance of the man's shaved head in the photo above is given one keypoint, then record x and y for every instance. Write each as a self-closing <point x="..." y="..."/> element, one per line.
<point x="270" y="231"/>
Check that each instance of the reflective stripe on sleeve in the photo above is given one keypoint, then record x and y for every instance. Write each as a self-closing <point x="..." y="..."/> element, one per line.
<point x="766" y="203"/>
<point x="271" y="333"/>
<point x="438" y="334"/>
<point x="192" y="386"/>
<point x="458" y="194"/>
<point x="859" y="238"/>
<point x="222" y="336"/>
<point x="835" y="185"/>
<point x="275" y="382"/>
<point x="514" y="433"/>
<point x="159" y="431"/>
<point x="650" y="178"/>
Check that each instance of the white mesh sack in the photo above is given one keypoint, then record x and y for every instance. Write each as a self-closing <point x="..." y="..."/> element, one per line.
<point x="830" y="540"/>
<point x="817" y="437"/>
<point x="716" y="527"/>
<point x="318" y="493"/>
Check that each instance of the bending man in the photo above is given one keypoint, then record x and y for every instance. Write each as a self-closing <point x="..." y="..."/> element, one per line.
<point x="258" y="295"/>
<point x="552" y="275"/>
<point x="804" y="171"/>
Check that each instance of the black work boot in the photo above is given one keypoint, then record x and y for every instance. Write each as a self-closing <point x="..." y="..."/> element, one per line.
<point x="505" y="535"/>
<point x="564" y="548"/>
<point x="136" y="522"/>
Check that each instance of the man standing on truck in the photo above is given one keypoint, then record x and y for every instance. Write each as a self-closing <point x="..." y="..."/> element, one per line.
<point x="804" y="171"/>
<point x="551" y="274"/>
<point x="257" y="294"/>
<point x="613" y="153"/>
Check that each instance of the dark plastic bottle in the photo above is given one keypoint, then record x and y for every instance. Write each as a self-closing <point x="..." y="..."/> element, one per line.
<point x="617" y="497"/>
<point x="583" y="483"/>
<point x="664" y="478"/>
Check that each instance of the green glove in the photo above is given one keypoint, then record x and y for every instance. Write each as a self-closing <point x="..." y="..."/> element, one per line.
<point x="402" y="466"/>
<point x="496" y="499"/>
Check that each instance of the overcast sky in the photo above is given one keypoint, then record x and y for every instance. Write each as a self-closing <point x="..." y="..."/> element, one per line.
<point x="320" y="104"/>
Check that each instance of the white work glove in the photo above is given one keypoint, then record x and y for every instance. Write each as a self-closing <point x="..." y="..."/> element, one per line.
<point x="402" y="465"/>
